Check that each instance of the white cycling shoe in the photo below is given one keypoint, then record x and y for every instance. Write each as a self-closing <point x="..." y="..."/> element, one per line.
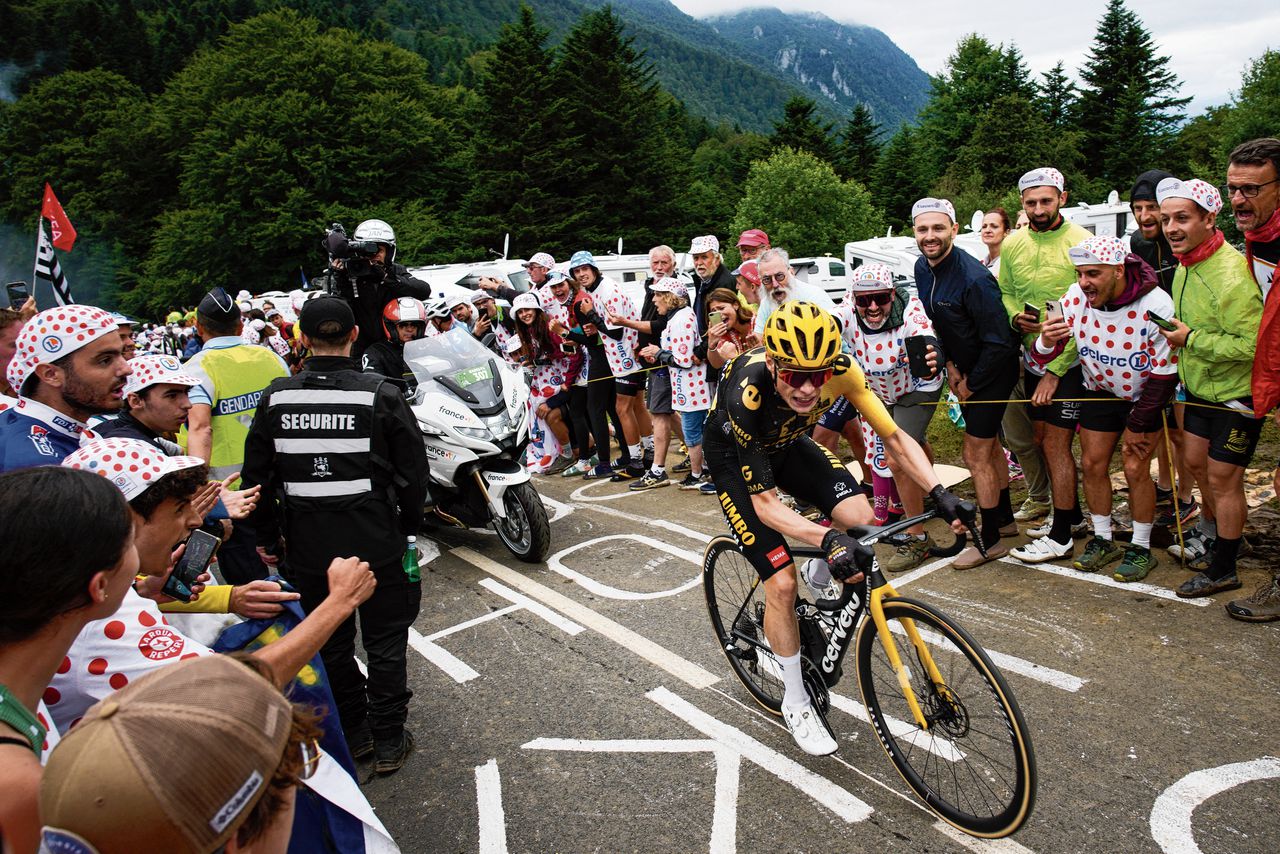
<point x="1043" y="550"/>
<point x="809" y="730"/>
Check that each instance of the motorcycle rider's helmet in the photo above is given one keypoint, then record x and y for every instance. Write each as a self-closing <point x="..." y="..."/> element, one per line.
<point x="439" y="308"/>
<point x="404" y="310"/>
<point x="801" y="336"/>
<point x="379" y="232"/>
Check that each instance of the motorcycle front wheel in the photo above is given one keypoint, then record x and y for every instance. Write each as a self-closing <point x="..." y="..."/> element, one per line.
<point x="526" y="531"/>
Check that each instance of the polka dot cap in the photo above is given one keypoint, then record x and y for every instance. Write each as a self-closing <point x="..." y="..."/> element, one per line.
<point x="872" y="277"/>
<point x="128" y="463"/>
<point x="1045" y="176"/>
<point x="932" y="205"/>
<point x="153" y="370"/>
<point x="55" y="333"/>
<point x="1202" y="193"/>
<point x="670" y="286"/>
<point x="1098" y="250"/>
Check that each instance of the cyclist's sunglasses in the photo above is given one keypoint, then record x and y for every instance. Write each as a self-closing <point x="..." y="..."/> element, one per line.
<point x="797" y="379"/>
<point x="868" y="300"/>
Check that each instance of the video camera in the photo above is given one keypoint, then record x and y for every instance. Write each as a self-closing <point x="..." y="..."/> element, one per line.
<point x="355" y="255"/>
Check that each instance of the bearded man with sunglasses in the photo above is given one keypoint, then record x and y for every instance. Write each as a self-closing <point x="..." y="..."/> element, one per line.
<point x="757" y="441"/>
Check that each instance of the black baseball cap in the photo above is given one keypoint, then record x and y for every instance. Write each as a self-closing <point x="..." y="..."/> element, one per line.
<point x="218" y="306"/>
<point x="322" y="309"/>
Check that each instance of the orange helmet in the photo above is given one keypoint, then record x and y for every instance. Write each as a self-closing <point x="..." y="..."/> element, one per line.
<point x="403" y="310"/>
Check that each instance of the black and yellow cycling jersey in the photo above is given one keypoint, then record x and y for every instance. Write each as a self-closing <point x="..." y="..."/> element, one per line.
<point x="750" y="417"/>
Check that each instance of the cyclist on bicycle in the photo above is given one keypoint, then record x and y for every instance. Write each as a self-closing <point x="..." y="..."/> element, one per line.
<point x="757" y="439"/>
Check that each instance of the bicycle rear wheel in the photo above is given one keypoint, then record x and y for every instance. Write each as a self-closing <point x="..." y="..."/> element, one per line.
<point x="735" y="601"/>
<point x="974" y="765"/>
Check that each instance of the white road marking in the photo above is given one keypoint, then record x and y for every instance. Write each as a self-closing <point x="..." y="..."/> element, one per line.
<point x="428" y="550"/>
<point x="653" y="523"/>
<point x="920" y="572"/>
<point x="457" y="669"/>
<point x="724" y="820"/>
<point x="681" y="668"/>
<point x="474" y="621"/>
<point x="1107" y="581"/>
<point x="580" y="494"/>
<point x="536" y="608"/>
<point x="493" y="821"/>
<point x="828" y="794"/>
<point x="556" y="563"/>
<point x="1171" y="814"/>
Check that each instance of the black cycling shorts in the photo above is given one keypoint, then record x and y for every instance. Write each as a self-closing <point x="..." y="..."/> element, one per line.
<point x="982" y="420"/>
<point x="1233" y="436"/>
<point x="803" y="469"/>
<point x="1104" y="413"/>
<point x="1064" y="413"/>
<point x="630" y="384"/>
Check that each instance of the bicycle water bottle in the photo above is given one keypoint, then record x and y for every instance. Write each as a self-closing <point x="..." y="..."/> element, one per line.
<point x="410" y="562"/>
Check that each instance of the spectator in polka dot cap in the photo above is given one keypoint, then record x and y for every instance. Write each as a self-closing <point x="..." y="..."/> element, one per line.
<point x="877" y="320"/>
<point x="51" y="586"/>
<point x="68" y="366"/>
<point x="168" y="497"/>
<point x="1131" y="372"/>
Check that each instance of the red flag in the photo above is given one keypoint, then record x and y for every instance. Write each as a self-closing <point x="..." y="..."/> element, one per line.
<point x="64" y="233"/>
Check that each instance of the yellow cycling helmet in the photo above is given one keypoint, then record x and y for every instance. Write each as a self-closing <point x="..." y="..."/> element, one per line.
<point x="801" y="336"/>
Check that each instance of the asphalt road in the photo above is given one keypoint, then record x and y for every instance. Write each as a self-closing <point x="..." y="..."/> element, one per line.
<point x="583" y="705"/>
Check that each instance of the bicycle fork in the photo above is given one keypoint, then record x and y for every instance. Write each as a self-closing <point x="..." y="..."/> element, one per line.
<point x="876" y="607"/>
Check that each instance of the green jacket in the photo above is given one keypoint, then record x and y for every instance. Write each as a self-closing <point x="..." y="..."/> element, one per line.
<point x="1035" y="268"/>
<point x="1222" y="304"/>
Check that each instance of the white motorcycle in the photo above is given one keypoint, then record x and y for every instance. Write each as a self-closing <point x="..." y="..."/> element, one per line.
<point x="472" y="409"/>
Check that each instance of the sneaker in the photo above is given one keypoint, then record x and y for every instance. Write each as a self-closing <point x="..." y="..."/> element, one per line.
<point x="630" y="471"/>
<point x="360" y="740"/>
<point x="1201" y="563"/>
<point x="1015" y="469"/>
<point x="650" y="481"/>
<point x="830" y="590"/>
<point x="682" y="466"/>
<point x="690" y="482"/>
<point x="971" y="557"/>
<point x="707" y="488"/>
<point x="1194" y="544"/>
<point x="1078" y="530"/>
<point x="910" y="555"/>
<point x="809" y="730"/>
<point x="578" y="469"/>
<point x="1262" y="606"/>
<point x="1136" y="564"/>
<point x="1202" y="585"/>
<point x="558" y="466"/>
<point x="1163" y="496"/>
<point x="1032" y="510"/>
<point x="391" y="755"/>
<point x="1097" y="554"/>
<point x="1043" y="550"/>
<point x="898" y="540"/>
<point x="1186" y="512"/>
<point x="600" y="472"/>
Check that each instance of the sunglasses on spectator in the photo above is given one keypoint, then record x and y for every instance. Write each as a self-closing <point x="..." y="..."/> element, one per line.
<point x="868" y="300"/>
<point x="768" y="278"/>
<point x="1249" y="191"/>
<point x="798" y="379"/>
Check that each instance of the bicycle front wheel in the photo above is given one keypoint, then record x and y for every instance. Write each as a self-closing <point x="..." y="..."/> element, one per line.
<point x="735" y="601"/>
<point x="973" y="765"/>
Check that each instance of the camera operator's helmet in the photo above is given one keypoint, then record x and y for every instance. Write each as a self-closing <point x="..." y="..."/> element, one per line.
<point x="404" y="310"/>
<point x="379" y="232"/>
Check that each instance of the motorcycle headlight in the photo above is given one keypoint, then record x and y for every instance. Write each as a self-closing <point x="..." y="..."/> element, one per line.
<point x="475" y="432"/>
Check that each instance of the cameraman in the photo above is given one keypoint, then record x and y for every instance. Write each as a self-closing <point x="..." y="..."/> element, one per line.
<point x="362" y="270"/>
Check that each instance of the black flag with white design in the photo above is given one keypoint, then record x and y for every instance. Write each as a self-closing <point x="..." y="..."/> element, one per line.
<point x="52" y="289"/>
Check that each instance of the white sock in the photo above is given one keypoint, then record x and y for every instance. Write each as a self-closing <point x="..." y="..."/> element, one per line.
<point x="1142" y="534"/>
<point x="658" y="470"/>
<point x="695" y="472"/>
<point x="1101" y="526"/>
<point x="634" y="449"/>
<point x="646" y="442"/>
<point x="793" y="692"/>
<point x="819" y="573"/>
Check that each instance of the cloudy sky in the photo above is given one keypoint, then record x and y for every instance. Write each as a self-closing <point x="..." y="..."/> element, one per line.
<point x="1208" y="43"/>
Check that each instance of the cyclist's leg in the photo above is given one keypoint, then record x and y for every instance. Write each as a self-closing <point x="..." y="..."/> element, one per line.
<point x="811" y="472"/>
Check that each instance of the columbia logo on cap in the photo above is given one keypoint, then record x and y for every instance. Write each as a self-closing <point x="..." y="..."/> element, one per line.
<point x="931" y="205"/>
<point x="1046" y="176"/>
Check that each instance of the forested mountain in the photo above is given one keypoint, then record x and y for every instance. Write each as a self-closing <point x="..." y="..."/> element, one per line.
<point x="717" y="77"/>
<point x="836" y="64"/>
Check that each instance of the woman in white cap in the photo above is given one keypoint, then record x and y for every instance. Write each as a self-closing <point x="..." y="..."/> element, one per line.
<point x="554" y="368"/>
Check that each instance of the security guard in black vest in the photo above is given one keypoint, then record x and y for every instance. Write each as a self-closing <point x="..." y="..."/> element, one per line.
<point x="341" y="453"/>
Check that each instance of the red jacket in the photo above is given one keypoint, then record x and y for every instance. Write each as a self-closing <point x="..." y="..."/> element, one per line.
<point x="1264" y="243"/>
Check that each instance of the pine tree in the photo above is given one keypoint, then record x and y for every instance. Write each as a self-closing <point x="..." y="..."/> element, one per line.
<point x="1128" y="99"/>
<point x="521" y="157"/>
<point x="1057" y="98"/>
<point x="629" y="162"/>
<point x="802" y="130"/>
<point x="859" y="146"/>
<point x="899" y="179"/>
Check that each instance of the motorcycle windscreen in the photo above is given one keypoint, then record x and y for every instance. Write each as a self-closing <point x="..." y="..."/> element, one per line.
<point x="458" y="362"/>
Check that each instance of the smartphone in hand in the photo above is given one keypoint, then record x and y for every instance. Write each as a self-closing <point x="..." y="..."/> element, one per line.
<point x="918" y="355"/>
<point x="1052" y="311"/>
<point x="201" y="547"/>
<point x="1166" y="325"/>
<point x="1030" y="308"/>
